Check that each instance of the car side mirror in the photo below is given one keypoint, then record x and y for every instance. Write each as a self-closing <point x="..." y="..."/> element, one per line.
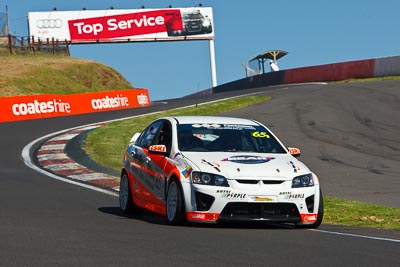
<point x="158" y="150"/>
<point x="295" y="152"/>
<point x="134" y="138"/>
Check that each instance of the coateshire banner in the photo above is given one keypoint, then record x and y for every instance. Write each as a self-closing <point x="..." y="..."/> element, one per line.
<point x="44" y="106"/>
<point x="129" y="25"/>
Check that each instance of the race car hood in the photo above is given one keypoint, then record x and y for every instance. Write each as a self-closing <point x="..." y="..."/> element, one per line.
<point x="247" y="165"/>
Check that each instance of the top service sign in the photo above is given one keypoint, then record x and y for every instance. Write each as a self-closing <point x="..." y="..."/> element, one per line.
<point x="113" y="25"/>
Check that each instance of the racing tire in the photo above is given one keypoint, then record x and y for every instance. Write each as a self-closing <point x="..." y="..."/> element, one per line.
<point x="320" y="215"/>
<point x="125" y="196"/>
<point x="174" y="204"/>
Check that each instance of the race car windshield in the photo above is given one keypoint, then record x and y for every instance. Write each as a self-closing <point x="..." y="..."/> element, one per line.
<point x="227" y="137"/>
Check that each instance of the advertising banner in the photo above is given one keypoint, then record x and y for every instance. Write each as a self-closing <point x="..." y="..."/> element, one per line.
<point x="129" y="25"/>
<point x="44" y="106"/>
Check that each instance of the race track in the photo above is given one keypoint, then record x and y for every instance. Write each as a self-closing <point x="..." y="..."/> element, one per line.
<point x="348" y="134"/>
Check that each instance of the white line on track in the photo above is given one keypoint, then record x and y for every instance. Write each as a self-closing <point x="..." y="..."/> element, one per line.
<point x="355" y="235"/>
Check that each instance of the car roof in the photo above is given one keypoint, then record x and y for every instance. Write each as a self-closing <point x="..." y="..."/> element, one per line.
<point x="213" y="119"/>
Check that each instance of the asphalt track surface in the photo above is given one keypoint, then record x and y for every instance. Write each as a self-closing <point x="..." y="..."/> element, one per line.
<point x="349" y="135"/>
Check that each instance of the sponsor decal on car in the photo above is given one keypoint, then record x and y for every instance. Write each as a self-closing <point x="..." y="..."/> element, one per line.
<point x="295" y="169"/>
<point x="248" y="159"/>
<point x="215" y="165"/>
<point x="206" y="125"/>
<point x="182" y="165"/>
<point x="295" y="196"/>
<point x="202" y="216"/>
<point x="262" y="199"/>
<point x="159" y="148"/>
<point x="258" y="134"/>
<point x="309" y="217"/>
<point x="186" y="172"/>
<point x="291" y="195"/>
<point x="231" y="195"/>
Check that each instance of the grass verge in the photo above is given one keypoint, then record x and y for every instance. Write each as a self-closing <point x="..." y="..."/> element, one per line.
<point x="106" y="145"/>
<point x="386" y="78"/>
<point x="355" y="213"/>
<point x="53" y="74"/>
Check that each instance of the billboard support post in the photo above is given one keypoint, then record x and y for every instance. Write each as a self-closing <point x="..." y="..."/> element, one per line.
<point x="212" y="63"/>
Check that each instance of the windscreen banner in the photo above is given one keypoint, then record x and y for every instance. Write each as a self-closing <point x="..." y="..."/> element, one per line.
<point x="15" y="108"/>
<point x="122" y="25"/>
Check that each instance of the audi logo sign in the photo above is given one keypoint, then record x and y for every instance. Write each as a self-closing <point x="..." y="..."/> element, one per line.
<point x="49" y="23"/>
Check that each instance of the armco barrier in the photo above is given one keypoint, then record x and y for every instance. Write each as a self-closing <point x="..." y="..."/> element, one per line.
<point x="44" y="106"/>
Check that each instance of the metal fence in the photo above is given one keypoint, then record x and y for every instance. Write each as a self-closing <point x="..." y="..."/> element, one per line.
<point x="29" y="45"/>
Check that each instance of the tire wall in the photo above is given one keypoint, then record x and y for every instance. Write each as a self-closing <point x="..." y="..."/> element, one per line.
<point x="368" y="68"/>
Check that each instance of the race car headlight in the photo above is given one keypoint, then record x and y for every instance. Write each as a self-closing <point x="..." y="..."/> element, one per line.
<point x="209" y="179"/>
<point x="303" y="181"/>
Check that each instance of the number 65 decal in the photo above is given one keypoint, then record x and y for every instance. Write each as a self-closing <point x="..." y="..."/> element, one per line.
<point x="260" y="134"/>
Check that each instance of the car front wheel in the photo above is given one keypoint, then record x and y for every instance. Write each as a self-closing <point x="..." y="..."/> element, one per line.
<point x="174" y="204"/>
<point x="125" y="195"/>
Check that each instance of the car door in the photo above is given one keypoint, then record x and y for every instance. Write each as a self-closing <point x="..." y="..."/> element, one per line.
<point x="150" y="185"/>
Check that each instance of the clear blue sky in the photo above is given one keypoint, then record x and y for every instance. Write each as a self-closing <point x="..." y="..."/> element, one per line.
<point x="314" y="32"/>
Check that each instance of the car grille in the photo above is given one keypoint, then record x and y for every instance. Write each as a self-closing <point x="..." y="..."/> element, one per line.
<point x="274" y="212"/>
<point x="246" y="181"/>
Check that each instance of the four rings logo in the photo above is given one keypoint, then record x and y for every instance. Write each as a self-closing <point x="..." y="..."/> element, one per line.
<point x="49" y="23"/>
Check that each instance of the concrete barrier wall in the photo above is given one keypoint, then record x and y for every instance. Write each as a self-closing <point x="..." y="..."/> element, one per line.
<point x="387" y="66"/>
<point x="267" y="79"/>
<point x="331" y="72"/>
<point x="368" y="68"/>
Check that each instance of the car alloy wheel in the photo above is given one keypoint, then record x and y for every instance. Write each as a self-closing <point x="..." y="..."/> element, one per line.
<point x="125" y="195"/>
<point x="174" y="205"/>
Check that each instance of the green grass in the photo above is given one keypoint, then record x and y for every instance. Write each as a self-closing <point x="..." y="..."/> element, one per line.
<point x="355" y="213"/>
<point x="386" y="78"/>
<point x="56" y="74"/>
<point x="106" y="145"/>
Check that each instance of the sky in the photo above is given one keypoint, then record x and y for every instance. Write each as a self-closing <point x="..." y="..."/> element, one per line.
<point x="313" y="32"/>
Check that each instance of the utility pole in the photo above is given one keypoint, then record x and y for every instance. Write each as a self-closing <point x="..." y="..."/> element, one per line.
<point x="4" y="28"/>
<point x="7" y="22"/>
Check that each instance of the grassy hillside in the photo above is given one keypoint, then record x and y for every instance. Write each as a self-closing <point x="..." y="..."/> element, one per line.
<point x="49" y="74"/>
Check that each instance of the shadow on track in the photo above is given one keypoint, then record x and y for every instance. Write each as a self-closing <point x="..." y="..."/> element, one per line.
<point x="152" y="218"/>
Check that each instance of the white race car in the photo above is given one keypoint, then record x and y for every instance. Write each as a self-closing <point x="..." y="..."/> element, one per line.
<point x="215" y="169"/>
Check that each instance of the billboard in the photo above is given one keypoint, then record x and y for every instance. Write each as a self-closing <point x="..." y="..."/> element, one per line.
<point x="123" y="25"/>
<point x="15" y="108"/>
